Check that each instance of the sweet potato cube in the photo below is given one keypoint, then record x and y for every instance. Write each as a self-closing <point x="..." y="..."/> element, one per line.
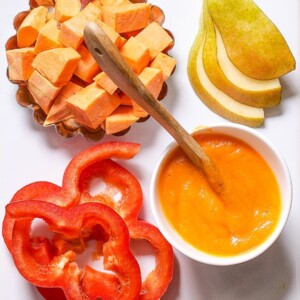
<point x="153" y="80"/>
<point x="125" y="100"/>
<point x="71" y="32"/>
<point x="115" y="37"/>
<point x="57" y="65"/>
<point x="46" y="3"/>
<point x="42" y="90"/>
<point x="165" y="63"/>
<point x="59" y="110"/>
<point x="106" y="83"/>
<point x="19" y="63"/>
<point x="155" y="38"/>
<point x="48" y="37"/>
<point x="66" y="9"/>
<point x="127" y="17"/>
<point x="87" y="67"/>
<point x="136" y="54"/>
<point x="114" y="2"/>
<point x="91" y="105"/>
<point x="30" y="27"/>
<point x="120" y="119"/>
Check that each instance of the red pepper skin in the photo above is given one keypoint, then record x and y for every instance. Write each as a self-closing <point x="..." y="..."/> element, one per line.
<point x="158" y="280"/>
<point x="128" y="207"/>
<point x="40" y="190"/>
<point x="118" y="181"/>
<point x="88" y="157"/>
<point x="63" y="272"/>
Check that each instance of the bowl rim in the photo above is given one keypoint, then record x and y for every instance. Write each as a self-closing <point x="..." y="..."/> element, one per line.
<point x="201" y="256"/>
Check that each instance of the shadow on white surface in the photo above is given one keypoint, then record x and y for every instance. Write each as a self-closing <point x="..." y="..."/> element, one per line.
<point x="269" y="277"/>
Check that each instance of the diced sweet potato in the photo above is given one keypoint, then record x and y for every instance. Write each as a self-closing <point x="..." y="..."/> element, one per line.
<point x="155" y="38"/>
<point x="42" y="90"/>
<point x="112" y="34"/>
<point x="87" y="67"/>
<point x="91" y="105"/>
<point x="71" y="32"/>
<point x="59" y="110"/>
<point x="127" y="17"/>
<point x="120" y="119"/>
<point x="136" y="54"/>
<point x="19" y="63"/>
<point x="66" y="9"/>
<point x="165" y="63"/>
<point x="106" y="83"/>
<point x="30" y="27"/>
<point x="48" y="37"/>
<point x="114" y="2"/>
<point x="57" y="65"/>
<point x="125" y="100"/>
<point x="153" y="80"/>
<point x="46" y="3"/>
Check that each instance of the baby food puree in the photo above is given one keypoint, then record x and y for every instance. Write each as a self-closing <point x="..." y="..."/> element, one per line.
<point x="228" y="224"/>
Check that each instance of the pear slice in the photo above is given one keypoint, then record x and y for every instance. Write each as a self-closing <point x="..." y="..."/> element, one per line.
<point x="214" y="98"/>
<point x="253" y="43"/>
<point x="226" y="77"/>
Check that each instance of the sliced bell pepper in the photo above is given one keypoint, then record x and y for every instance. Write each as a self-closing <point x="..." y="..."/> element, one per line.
<point x="88" y="157"/>
<point x="63" y="271"/>
<point x="41" y="190"/>
<point x="122" y="190"/>
<point x="118" y="179"/>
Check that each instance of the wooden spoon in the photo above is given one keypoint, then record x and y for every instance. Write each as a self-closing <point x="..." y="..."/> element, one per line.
<point x="113" y="64"/>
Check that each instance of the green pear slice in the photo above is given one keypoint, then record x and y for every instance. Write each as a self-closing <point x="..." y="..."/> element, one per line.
<point x="214" y="98"/>
<point x="253" y="43"/>
<point x="226" y="77"/>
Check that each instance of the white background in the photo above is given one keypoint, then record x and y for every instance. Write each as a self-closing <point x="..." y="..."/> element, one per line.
<point x="30" y="153"/>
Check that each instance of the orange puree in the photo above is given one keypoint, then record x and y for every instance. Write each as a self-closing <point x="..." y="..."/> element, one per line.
<point x="242" y="218"/>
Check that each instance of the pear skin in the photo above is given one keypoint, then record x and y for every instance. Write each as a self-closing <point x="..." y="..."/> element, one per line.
<point x="214" y="98"/>
<point x="226" y="77"/>
<point x="253" y="43"/>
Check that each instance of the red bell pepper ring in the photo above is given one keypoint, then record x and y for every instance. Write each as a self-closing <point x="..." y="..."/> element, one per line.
<point x="34" y="191"/>
<point x="88" y="157"/>
<point x="119" y="183"/>
<point x="63" y="272"/>
<point x="118" y="179"/>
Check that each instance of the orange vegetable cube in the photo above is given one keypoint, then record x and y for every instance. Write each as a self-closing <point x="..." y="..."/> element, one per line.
<point x="153" y="80"/>
<point x="71" y="32"/>
<point x="155" y="38"/>
<point x="136" y="54"/>
<point x="46" y="3"/>
<point x="87" y="67"/>
<point x="127" y="17"/>
<point x="59" y="110"/>
<point x="30" y="27"/>
<point x="48" y="37"/>
<point x="66" y="9"/>
<point x="19" y="63"/>
<point x="106" y="83"/>
<point x="165" y="63"/>
<point x="42" y="90"/>
<point x="125" y="100"/>
<point x="115" y="37"/>
<point x="57" y="65"/>
<point x="91" y="105"/>
<point x="120" y="119"/>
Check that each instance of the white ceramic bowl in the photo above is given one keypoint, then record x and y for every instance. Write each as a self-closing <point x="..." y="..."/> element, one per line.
<point x="275" y="161"/>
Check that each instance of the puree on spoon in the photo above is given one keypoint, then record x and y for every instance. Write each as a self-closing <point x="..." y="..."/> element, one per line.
<point x="242" y="218"/>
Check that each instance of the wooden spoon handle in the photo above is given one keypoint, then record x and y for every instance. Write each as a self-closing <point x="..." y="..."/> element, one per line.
<point x="113" y="64"/>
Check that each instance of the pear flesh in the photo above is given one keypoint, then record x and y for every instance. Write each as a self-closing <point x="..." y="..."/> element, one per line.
<point x="226" y="77"/>
<point x="253" y="43"/>
<point x="214" y="98"/>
